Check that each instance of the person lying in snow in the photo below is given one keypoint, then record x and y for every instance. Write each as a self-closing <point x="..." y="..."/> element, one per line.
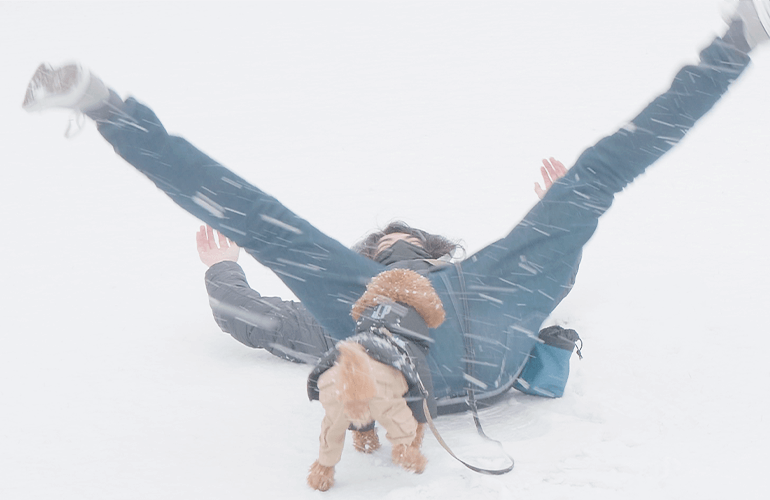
<point x="495" y="300"/>
<point x="285" y="328"/>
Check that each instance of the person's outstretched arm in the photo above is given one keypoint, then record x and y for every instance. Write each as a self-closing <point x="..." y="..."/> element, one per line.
<point x="283" y="327"/>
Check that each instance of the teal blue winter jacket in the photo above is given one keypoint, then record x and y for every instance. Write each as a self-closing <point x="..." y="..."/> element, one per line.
<point x="497" y="299"/>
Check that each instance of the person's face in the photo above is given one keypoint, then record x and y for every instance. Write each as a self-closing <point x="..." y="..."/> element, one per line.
<point x="387" y="240"/>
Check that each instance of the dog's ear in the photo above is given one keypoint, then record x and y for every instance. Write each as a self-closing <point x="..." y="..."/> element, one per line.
<point x="407" y="287"/>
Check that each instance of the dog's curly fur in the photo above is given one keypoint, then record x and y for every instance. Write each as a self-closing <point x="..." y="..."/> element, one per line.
<point x="321" y="477"/>
<point x="355" y="386"/>
<point x="410" y="458"/>
<point x="366" y="441"/>
<point x="417" y="443"/>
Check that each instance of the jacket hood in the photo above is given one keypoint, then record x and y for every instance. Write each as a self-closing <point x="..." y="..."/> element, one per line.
<point x="404" y="286"/>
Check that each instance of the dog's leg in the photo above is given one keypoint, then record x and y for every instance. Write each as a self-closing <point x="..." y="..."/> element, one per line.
<point x="320" y="477"/>
<point x="392" y="412"/>
<point x="417" y="443"/>
<point x="410" y="458"/>
<point x="366" y="441"/>
<point x="333" y="428"/>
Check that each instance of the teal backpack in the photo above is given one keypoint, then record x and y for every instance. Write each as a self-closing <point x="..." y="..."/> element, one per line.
<point x="547" y="369"/>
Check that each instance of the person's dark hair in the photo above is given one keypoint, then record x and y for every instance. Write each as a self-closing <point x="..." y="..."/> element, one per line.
<point x="437" y="246"/>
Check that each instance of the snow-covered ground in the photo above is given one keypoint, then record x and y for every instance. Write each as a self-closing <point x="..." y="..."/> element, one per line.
<point x="115" y="382"/>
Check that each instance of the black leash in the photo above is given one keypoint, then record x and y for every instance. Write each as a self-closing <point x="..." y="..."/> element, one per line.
<point x="383" y="332"/>
<point x="480" y="470"/>
<point x="471" y="397"/>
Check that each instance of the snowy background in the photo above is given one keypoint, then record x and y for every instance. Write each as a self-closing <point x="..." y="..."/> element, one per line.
<point x="115" y="382"/>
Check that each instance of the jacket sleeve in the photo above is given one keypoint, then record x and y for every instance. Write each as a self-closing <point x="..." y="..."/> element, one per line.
<point x="284" y="328"/>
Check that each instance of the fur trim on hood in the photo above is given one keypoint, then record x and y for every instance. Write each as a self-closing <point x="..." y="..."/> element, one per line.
<point x="404" y="286"/>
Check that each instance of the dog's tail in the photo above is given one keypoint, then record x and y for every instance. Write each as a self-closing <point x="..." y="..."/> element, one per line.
<point x="358" y="385"/>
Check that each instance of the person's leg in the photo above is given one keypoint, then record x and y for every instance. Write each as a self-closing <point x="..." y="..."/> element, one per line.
<point x="515" y="283"/>
<point x="326" y="276"/>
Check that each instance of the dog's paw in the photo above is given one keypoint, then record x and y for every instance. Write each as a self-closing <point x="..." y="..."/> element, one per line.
<point x="410" y="458"/>
<point x="366" y="441"/>
<point x="320" y="477"/>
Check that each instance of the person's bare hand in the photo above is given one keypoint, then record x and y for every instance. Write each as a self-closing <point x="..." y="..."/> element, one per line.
<point x="212" y="252"/>
<point x="552" y="170"/>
